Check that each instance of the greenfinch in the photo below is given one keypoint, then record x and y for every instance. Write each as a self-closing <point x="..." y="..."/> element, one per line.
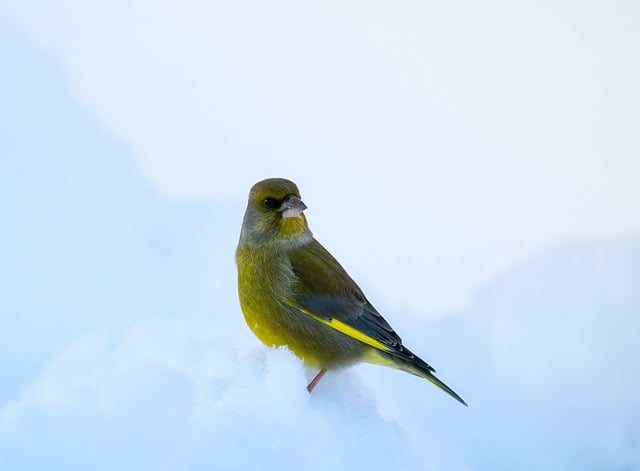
<point x="294" y="293"/>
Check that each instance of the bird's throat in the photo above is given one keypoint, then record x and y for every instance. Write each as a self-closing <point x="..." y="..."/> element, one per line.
<point x="293" y="228"/>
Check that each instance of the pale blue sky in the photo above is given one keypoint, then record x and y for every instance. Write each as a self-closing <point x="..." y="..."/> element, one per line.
<point x="511" y="122"/>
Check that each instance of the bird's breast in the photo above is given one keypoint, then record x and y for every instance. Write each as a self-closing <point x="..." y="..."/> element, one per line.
<point x="264" y="281"/>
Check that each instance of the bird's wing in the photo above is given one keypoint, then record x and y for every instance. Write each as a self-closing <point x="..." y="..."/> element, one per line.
<point x="324" y="291"/>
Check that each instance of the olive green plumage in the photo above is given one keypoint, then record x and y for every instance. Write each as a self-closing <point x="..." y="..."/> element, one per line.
<point x="294" y="293"/>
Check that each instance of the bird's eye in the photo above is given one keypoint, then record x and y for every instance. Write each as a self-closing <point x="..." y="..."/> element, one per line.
<point x="270" y="202"/>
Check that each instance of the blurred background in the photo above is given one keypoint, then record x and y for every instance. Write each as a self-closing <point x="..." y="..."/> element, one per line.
<point x="474" y="166"/>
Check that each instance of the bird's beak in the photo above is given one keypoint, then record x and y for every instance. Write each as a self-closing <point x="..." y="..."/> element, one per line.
<point x="291" y="207"/>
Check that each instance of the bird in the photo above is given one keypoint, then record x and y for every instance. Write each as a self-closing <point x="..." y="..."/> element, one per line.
<point x="294" y="293"/>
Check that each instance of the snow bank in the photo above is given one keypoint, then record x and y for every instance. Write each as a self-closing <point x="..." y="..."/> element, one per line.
<point x="174" y="395"/>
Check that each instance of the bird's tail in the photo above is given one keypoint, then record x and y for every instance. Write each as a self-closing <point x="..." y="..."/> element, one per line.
<point x="415" y="366"/>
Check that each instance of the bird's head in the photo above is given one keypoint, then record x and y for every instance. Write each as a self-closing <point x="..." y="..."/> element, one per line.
<point x="274" y="214"/>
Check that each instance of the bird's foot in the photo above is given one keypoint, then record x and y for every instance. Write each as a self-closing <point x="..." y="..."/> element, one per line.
<point x="316" y="380"/>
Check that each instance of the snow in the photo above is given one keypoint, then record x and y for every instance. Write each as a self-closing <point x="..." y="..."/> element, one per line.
<point x="173" y="396"/>
<point x="546" y="359"/>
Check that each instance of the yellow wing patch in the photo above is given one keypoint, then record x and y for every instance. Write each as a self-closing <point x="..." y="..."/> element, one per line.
<point x="348" y="330"/>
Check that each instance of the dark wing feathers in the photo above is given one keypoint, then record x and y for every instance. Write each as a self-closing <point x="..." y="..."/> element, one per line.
<point x="325" y="289"/>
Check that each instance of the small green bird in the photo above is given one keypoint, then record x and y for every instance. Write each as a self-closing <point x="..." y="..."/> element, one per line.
<point x="294" y="293"/>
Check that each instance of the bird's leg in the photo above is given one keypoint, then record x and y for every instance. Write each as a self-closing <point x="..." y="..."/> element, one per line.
<point x="316" y="380"/>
